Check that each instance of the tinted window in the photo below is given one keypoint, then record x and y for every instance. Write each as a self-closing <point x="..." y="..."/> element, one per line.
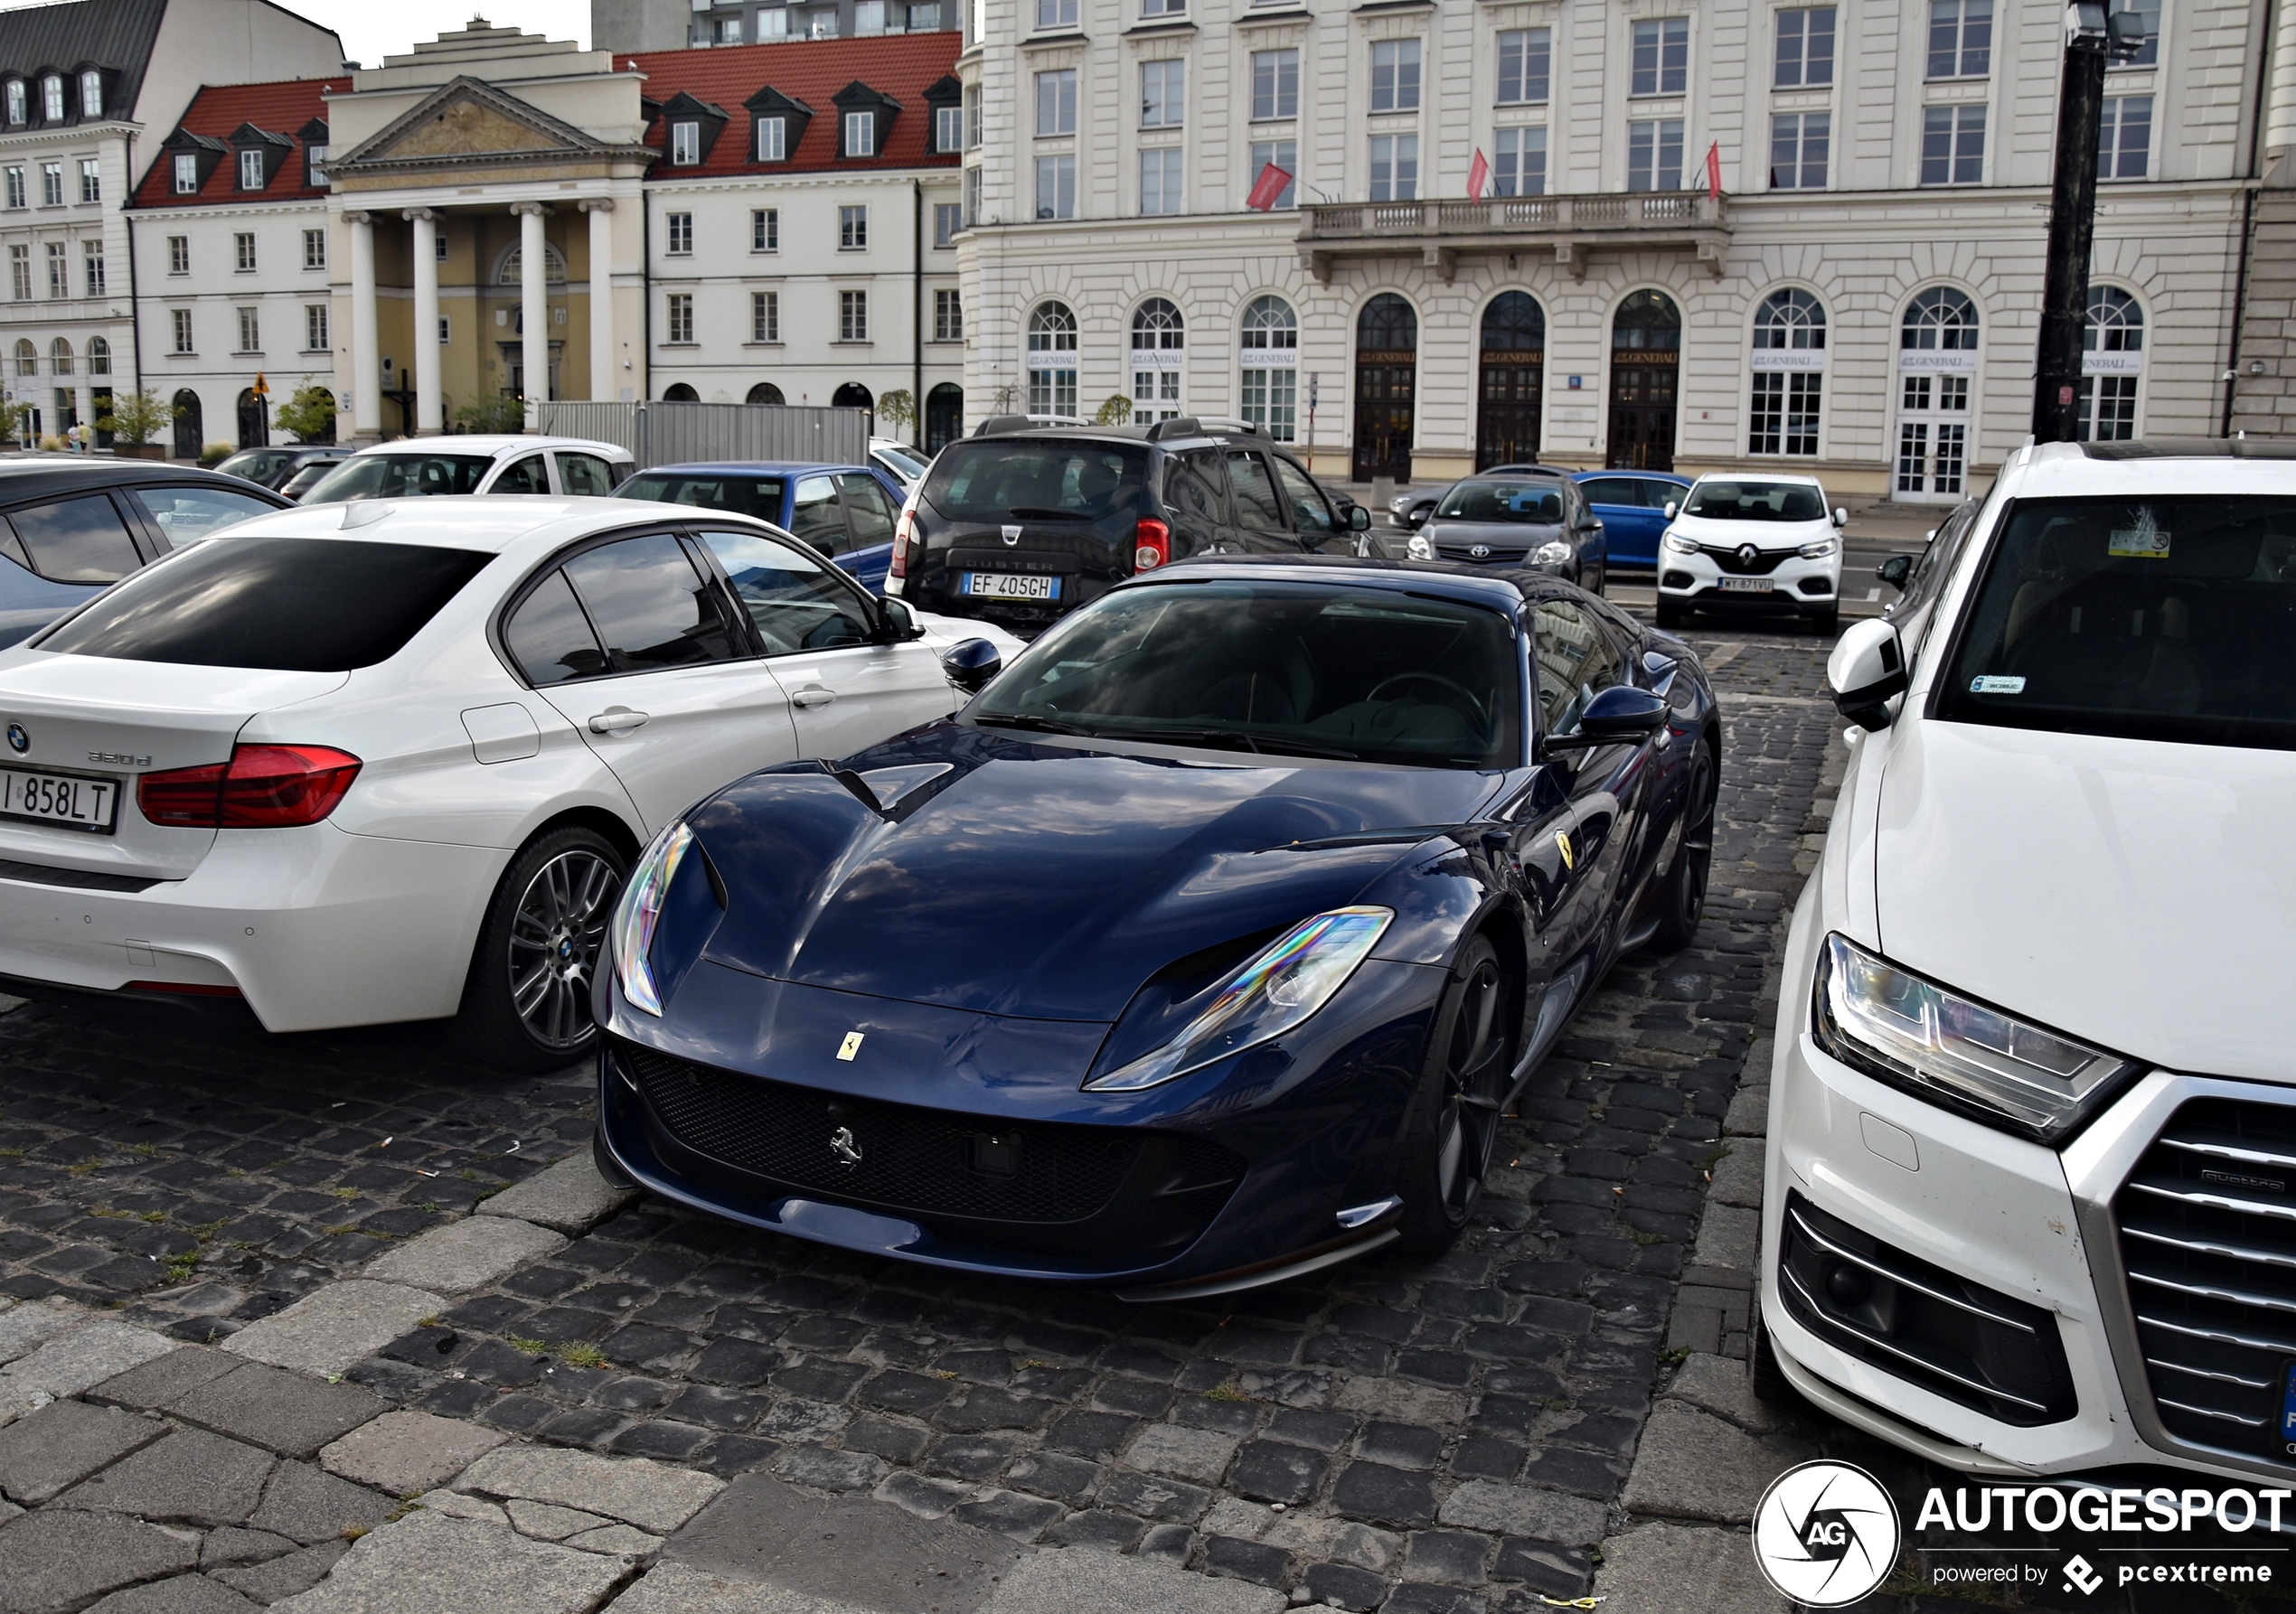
<point x="1614" y="490"/>
<point x="306" y="479"/>
<point x="257" y="465"/>
<point x="903" y="461"/>
<point x="1257" y="505"/>
<point x="290" y="605"/>
<point x="817" y="516"/>
<point x="1535" y="503"/>
<point x="1211" y="468"/>
<point x="401" y="476"/>
<point x="1310" y="514"/>
<point x="1576" y="662"/>
<point x="549" y="638"/>
<point x="990" y="480"/>
<point x="796" y="602"/>
<point x="186" y="514"/>
<point x="523" y="476"/>
<point x="2164" y="618"/>
<point x="758" y="496"/>
<point x="866" y="507"/>
<point x="1658" y="495"/>
<point x="1187" y="497"/>
<point x="584" y="474"/>
<point x="76" y="541"/>
<point x="1756" y="502"/>
<point x="649" y="605"/>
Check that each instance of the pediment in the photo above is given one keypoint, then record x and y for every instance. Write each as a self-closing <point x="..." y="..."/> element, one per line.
<point x="469" y="120"/>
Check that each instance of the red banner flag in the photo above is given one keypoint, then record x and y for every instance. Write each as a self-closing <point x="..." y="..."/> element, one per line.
<point x="1714" y="171"/>
<point x="1268" y="189"/>
<point x="1478" y="176"/>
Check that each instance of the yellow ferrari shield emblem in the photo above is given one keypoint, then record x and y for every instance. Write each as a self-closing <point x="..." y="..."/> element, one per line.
<point x="850" y="1046"/>
<point x="1562" y="845"/>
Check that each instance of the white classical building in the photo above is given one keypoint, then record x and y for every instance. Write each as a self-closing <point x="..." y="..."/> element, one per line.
<point x="1861" y="299"/>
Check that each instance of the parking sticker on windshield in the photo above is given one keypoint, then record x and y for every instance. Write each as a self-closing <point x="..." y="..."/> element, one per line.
<point x="2144" y="542"/>
<point x="1995" y="683"/>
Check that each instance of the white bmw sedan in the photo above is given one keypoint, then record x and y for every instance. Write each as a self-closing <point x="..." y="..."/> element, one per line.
<point x="1763" y="545"/>
<point x="389" y="761"/>
<point x="2030" y="1204"/>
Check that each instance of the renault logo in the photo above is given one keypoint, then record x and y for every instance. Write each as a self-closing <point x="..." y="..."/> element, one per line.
<point x="1012" y="535"/>
<point x="1480" y="551"/>
<point x="1748" y="554"/>
<point x="841" y="1145"/>
<point x="19" y="741"/>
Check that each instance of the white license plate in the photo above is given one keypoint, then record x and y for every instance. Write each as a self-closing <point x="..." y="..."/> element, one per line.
<point x="1746" y="585"/>
<point x="1012" y="586"/>
<point x="59" y="799"/>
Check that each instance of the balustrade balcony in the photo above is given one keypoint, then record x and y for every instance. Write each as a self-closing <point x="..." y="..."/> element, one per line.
<point x="1572" y="226"/>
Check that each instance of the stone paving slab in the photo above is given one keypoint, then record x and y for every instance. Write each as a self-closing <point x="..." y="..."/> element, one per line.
<point x="1673" y="1569"/>
<point x="571" y="1197"/>
<point x="190" y="1477"/>
<point x="674" y="1589"/>
<point x="86" y="1355"/>
<point x="25" y="1327"/>
<point x="180" y="1594"/>
<point x="467" y="1254"/>
<point x="1078" y="1579"/>
<point x="165" y="1379"/>
<point x="653" y="1496"/>
<point x="288" y="1413"/>
<point x="428" y="1563"/>
<point x="309" y="1506"/>
<point x="60" y="1559"/>
<point x="341" y="1324"/>
<point x="64" y="1442"/>
<point x="405" y="1453"/>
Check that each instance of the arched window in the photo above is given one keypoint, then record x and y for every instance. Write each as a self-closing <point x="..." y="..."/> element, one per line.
<point x="1936" y="362"/>
<point x="1789" y="373"/>
<point x="679" y="392"/>
<point x="1514" y="323"/>
<point x="190" y="429"/>
<point x="59" y="354"/>
<point x="27" y="358"/>
<point x="944" y="415"/>
<point x="52" y="98"/>
<point x="1941" y="318"/>
<point x="1158" y="336"/>
<point x="1388" y="325"/>
<point x="99" y="356"/>
<point x="852" y="395"/>
<point x="511" y="270"/>
<point x="1052" y="359"/>
<point x="2112" y="358"/>
<point x="91" y="94"/>
<point x="764" y="392"/>
<point x="1270" y="341"/>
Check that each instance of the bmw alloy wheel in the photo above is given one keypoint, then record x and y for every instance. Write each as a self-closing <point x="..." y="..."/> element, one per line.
<point x="555" y="936"/>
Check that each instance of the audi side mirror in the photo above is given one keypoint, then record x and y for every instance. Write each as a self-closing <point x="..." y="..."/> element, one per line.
<point x="900" y="623"/>
<point x="1359" y="519"/>
<point x="1840" y="516"/>
<point x="1672" y="509"/>
<point x="1866" y="669"/>
<point x="1894" y="570"/>
<point x="972" y="664"/>
<point x="1621" y="712"/>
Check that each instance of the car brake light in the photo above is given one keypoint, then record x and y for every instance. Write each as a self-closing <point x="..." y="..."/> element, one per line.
<point x="904" y="536"/>
<point x="262" y="787"/>
<point x="1152" y="544"/>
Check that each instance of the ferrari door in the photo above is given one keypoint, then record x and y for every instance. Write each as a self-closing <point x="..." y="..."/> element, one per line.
<point x="1577" y="660"/>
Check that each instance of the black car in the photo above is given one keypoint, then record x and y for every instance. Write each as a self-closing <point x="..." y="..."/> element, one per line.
<point x="308" y="476"/>
<point x="1023" y="524"/>
<point x="68" y="531"/>
<point x="1413" y="506"/>
<point x="271" y="465"/>
<point x="1536" y="524"/>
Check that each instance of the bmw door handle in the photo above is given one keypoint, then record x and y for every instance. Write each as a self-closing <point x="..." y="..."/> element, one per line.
<point x="616" y="720"/>
<point x="814" y="695"/>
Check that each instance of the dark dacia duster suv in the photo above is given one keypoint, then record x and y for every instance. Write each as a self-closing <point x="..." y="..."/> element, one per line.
<point x="1022" y="524"/>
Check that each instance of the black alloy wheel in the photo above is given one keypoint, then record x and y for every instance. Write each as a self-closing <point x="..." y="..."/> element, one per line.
<point x="527" y="1003"/>
<point x="1669" y="614"/>
<point x="1453" y="1129"/>
<point x="1681" y="893"/>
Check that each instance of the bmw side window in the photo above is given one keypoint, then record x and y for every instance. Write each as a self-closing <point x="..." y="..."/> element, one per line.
<point x="651" y="608"/>
<point x="796" y="602"/>
<point x="549" y="638"/>
<point x="76" y="541"/>
<point x="185" y="515"/>
<point x="584" y="474"/>
<point x="1577" y="662"/>
<point x="523" y="476"/>
<point x="1310" y="513"/>
<point x="817" y="516"/>
<point x="866" y="508"/>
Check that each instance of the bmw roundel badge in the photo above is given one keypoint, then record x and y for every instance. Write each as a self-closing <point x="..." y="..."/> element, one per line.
<point x="19" y="741"/>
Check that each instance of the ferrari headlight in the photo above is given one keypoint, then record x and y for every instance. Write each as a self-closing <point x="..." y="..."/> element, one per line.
<point x="1288" y="981"/>
<point x="1553" y="553"/>
<point x="1420" y="548"/>
<point x="1818" y="549"/>
<point x="1680" y="545"/>
<point x="1913" y="1034"/>
<point x="640" y="910"/>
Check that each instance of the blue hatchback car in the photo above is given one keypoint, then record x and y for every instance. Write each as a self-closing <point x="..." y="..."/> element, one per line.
<point x="845" y="511"/>
<point x="1631" y="507"/>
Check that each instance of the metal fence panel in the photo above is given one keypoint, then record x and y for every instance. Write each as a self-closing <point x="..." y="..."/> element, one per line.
<point x="670" y="434"/>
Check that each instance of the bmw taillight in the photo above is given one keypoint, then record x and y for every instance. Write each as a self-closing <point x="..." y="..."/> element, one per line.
<point x="904" y="536"/>
<point x="262" y="787"/>
<point x="1151" y="544"/>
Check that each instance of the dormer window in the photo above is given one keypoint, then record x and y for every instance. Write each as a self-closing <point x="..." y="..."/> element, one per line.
<point x="52" y="98"/>
<point x="91" y="94"/>
<point x="773" y="140"/>
<point x="17" y="104"/>
<point x="685" y="144"/>
<point x="314" y="166"/>
<point x="861" y="134"/>
<point x="186" y="174"/>
<point x="251" y="170"/>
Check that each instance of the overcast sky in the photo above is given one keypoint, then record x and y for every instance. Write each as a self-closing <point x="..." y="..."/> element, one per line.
<point x="373" y="29"/>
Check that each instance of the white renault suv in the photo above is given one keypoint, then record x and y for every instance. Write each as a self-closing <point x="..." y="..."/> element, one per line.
<point x="2031" y="1191"/>
<point x="391" y="760"/>
<point x="1754" y="545"/>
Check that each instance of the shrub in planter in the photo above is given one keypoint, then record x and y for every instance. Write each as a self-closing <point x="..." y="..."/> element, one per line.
<point x="215" y="454"/>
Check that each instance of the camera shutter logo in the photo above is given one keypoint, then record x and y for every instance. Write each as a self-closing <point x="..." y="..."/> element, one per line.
<point x="1826" y="1534"/>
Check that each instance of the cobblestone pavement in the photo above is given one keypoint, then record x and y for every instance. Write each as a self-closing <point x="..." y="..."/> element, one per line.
<point x="1454" y="1436"/>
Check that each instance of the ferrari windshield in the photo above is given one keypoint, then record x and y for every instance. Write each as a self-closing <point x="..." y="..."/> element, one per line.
<point x="1532" y="502"/>
<point x="2150" y="618"/>
<point x="1756" y="501"/>
<point x="1288" y="667"/>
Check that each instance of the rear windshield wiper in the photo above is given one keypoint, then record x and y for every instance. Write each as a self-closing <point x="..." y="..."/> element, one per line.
<point x="1038" y="513"/>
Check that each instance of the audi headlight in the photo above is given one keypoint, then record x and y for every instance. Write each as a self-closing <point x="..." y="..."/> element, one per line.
<point x="1420" y="548"/>
<point x="1553" y="553"/>
<point x="1680" y="545"/>
<point x="640" y="911"/>
<point x="1818" y="549"/>
<point x="1913" y="1034"/>
<point x="1285" y="983"/>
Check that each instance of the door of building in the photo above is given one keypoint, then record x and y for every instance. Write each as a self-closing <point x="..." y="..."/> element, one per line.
<point x="1936" y="377"/>
<point x="1387" y="364"/>
<point x="1646" y="353"/>
<point x="944" y="415"/>
<point x="1514" y="343"/>
<point x="189" y="439"/>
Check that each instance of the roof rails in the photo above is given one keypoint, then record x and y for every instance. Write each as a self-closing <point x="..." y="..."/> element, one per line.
<point x="1190" y="425"/>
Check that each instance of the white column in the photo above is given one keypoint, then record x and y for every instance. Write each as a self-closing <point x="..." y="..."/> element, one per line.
<point x="427" y="352"/>
<point x="533" y="306"/>
<point x="366" y="346"/>
<point x="601" y="212"/>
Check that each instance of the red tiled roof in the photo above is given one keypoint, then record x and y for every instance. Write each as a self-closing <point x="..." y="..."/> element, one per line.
<point x="899" y="65"/>
<point x="280" y="107"/>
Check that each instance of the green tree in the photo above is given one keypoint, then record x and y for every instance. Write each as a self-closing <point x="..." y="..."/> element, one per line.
<point x="1114" y="411"/>
<point x="134" y="418"/>
<point x="898" y="409"/>
<point x="499" y="413"/>
<point x="309" y="414"/>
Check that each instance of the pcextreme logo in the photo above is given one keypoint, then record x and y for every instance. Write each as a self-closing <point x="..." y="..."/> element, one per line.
<point x="1826" y="1534"/>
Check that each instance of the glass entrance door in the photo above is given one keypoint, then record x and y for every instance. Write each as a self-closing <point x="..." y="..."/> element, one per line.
<point x="1646" y="352"/>
<point x="1387" y="367"/>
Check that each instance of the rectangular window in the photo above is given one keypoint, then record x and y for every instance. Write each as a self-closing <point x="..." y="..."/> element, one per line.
<point x="861" y="134"/>
<point x="972" y="197"/>
<point x="1805" y="49"/>
<point x="1961" y="39"/>
<point x="1164" y="94"/>
<point x="1284" y="154"/>
<point x="948" y="130"/>
<point x="1275" y="84"/>
<point x="243" y="249"/>
<point x="948" y="219"/>
<point x="765" y="229"/>
<point x="1520" y="169"/>
<point x="1160" y="180"/>
<point x="1394" y="167"/>
<point x="852" y="316"/>
<point x="438" y="242"/>
<point x="1784" y="419"/>
<point x="2124" y="142"/>
<point x="765" y="316"/>
<point x="685" y="142"/>
<point x="729" y="31"/>
<point x="93" y="265"/>
<point x="1395" y="75"/>
<point x="1052" y="392"/>
<point x="680" y="323"/>
<point x="52" y="183"/>
<point x="91" y="180"/>
<point x="20" y="273"/>
<point x="678" y="234"/>
<point x="1800" y="144"/>
<point x="773" y="139"/>
<point x="250" y="331"/>
<point x="314" y="248"/>
<point x="179" y="255"/>
<point x="1056" y="187"/>
<point x="445" y="329"/>
<point x="1163" y="8"/>
<point x="59" y="271"/>
<point x="852" y="228"/>
<point x="314" y="166"/>
<point x="15" y="187"/>
<point x="1654" y="154"/>
<point x="1057" y="102"/>
<point x="252" y="169"/>
<point x="948" y="314"/>
<point x="772" y="24"/>
<point x="186" y="174"/>
<point x="1525" y="56"/>
<point x="971" y="117"/>
<point x="182" y="320"/>
<point x="1662" y="57"/>
<point x="317" y="336"/>
<point x="1055" y="14"/>
<point x="1952" y="145"/>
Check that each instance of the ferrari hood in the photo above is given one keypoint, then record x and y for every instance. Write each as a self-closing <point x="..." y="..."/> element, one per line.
<point x="2138" y="896"/>
<point x="1010" y="878"/>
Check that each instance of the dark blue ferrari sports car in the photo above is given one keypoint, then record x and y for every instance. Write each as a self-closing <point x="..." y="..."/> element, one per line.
<point x="1203" y="948"/>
